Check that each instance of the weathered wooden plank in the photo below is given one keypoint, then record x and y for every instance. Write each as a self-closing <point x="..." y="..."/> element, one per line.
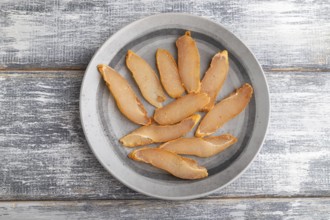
<point x="303" y="208"/>
<point x="66" y="33"/>
<point x="44" y="154"/>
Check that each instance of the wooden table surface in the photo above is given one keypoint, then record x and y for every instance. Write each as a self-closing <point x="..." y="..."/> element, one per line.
<point x="48" y="171"/>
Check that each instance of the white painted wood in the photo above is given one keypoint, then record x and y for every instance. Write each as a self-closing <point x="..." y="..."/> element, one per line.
<point x="284" y="208"/>
<point x="66" y="33"/>
<point x="44" y="154"/>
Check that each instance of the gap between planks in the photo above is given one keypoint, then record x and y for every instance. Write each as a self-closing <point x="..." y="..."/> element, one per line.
<point x="4" y="72"/>
<point x="155" y="199"/>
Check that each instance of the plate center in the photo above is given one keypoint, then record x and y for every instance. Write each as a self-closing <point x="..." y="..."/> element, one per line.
<point x="115" y="125"/>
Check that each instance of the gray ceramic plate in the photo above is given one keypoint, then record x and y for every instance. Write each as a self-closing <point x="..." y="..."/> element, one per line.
<point x="103" y="124"/>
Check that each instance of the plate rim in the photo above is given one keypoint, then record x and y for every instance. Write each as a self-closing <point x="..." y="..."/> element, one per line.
<point x="267" y="106"/>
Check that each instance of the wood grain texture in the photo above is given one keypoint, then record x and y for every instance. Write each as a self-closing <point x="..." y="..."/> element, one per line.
<point x="303" y="209"/>
<point x="44" y="154"/>
<point x="65" y="33"/>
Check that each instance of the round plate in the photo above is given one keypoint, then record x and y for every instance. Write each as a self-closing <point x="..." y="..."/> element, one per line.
<point x="104" y="125"/>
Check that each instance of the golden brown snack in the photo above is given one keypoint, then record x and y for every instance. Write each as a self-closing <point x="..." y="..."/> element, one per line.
<point x="225" y="111"/>
<point x="201" y="147"/>
<point x="157" y="133"/>
<point x="127" y="101"/>
<point x="181" y="108"/>
<point x="188" y="63"/>
<point x="176" y="165"/>
<point x="169" y="74"/>
<point x="214" y="77"/>
<point x="146" y="79"/>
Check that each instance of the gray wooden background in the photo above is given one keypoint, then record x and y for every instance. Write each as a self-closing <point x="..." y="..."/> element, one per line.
<point x="47" y="170"/>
